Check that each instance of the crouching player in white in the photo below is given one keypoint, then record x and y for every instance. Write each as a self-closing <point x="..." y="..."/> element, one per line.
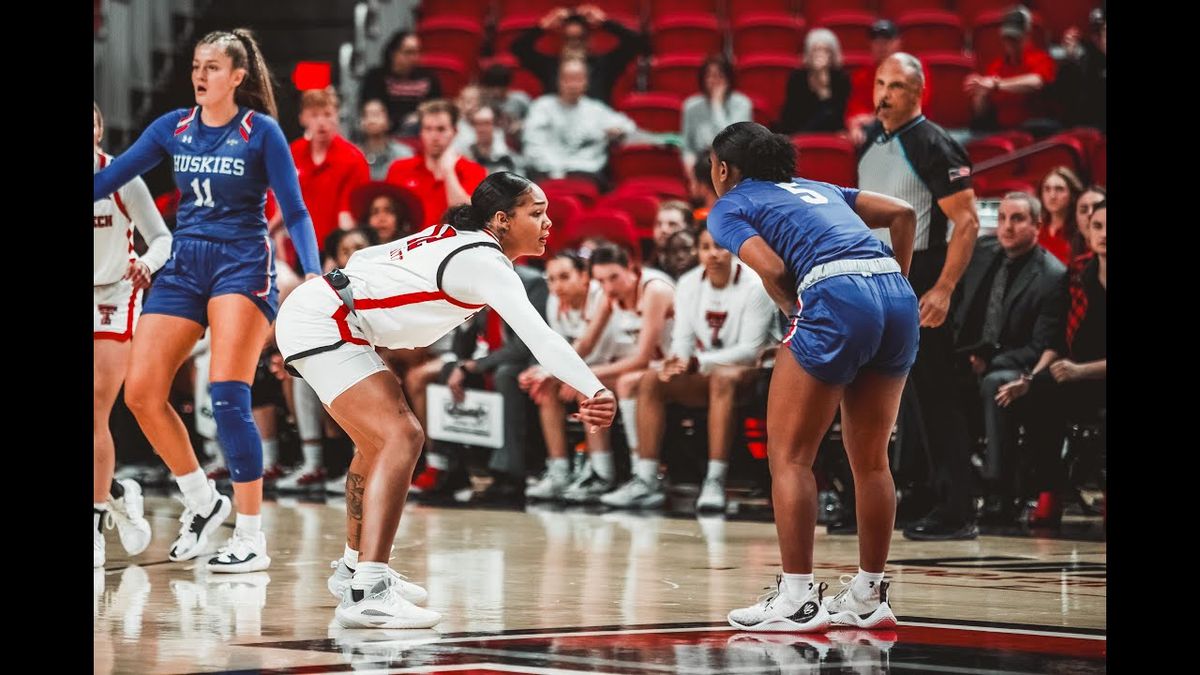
<point x="402" y="295"/>
<point x="118" y="278"/>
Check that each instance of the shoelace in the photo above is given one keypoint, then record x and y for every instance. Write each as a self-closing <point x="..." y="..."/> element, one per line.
<point x="394" y="574"/>
<point x="847" y="581"/>
<point x="772" y="593"/>
<point x="236" y="545"/>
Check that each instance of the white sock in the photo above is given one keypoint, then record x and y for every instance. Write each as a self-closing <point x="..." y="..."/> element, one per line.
<point x="647" y="470"/>
<point x="437" y="461"/>
<point x="311" y="451"/>
<point x="195" y="488"/>
<point x="350" y="557"/>
<point x="367" y="574"/>
<point x="270" y="448"/>
<point x="629" y="420"/>
<point x="558" y="466"/>
<point x="212" y="447"/>
<point x="100" y="506"/>
<point x="602" y="464"/>
<point x="797" y="585"/>
<point x="248" y="524"/>
<point x="866" y="583"/>
<point x="716" y="470"/>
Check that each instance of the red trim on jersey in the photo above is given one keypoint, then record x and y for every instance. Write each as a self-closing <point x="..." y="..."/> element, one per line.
<point x="246" y="126"/>
<point x="120" y="337"/>
<point x="409" y="299"/>
<point x="186" y="122"/>
<point x="270" y="260"/>
<point x="344" y="328"/>
<point x="795" y="323"/>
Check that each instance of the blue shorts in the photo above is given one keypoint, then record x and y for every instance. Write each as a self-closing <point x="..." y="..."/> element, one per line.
<point x="202" y="269"/>
<point x="851" y="321"/>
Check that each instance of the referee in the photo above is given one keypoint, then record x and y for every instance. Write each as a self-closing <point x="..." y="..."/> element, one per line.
<point x="907" y="156"/>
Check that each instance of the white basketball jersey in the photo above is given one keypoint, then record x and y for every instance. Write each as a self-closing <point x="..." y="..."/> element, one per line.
<point x="398" y="298"/>
<point x="716" y="315"/>
<point x="112" y="234"/>
<point x="572" y="323"/>
<point x="627" y="322"/>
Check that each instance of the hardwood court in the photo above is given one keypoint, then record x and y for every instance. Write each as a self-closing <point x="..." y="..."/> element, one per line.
<point x="560" y="591"/>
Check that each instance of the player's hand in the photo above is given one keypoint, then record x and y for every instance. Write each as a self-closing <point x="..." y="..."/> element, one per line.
<point x="1065" y="370"/>
<point x="674" y="365"/>
<point x="1011" y="392"/>
<point x="447" y="161"/>
<point x="276" y="367"/>
<point x="934" y="305"/>
<point x="457" y="383"/>
<point x="139" y="274"/>
<point x="553" y="19"/>
<point x="530" y="377"/>
<point x="567" y="394"/>
<point x="598" y="411"/>
<point x="1070" y="42"/>
<point x="593" y="14"/>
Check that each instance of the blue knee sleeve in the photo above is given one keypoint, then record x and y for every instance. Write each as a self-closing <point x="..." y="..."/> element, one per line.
<point x="236" y="430"/>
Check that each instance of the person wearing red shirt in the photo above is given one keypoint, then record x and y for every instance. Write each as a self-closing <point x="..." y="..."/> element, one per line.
<point x="1010" y="92"/>
<point x="1058" y="232"/>
<point x="439" y="176"/>
<point x="330" y="167"/>
<point x="860" y="109"/>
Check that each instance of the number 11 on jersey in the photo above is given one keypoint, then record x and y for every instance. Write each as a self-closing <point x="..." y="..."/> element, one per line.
<point x="203" y="198"/>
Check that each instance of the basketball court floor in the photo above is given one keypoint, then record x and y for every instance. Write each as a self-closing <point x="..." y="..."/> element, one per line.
<point x="556" y="591"/>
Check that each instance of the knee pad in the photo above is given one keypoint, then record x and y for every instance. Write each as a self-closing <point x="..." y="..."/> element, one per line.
<point x="236" y="430"/>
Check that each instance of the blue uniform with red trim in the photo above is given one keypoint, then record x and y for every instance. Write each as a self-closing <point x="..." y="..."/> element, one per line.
<point x="221" y="244"/>
<point x="844" y="322"/>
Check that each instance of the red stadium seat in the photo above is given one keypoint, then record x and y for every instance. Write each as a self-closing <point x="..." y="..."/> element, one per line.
<point x="609" y="224"/>
<point x="522" y="80"/>
<point x="662" y="187"/>
<point x="451" y="36"/>
<point x="931" y="31"/>
<point x="641" y="207"/>
<point x="628" y="12"/>
<point x="509" y="27"/>
<point x="1089" y="137"/>
<point x="986" y="41"/>
<point x="676" y="73"/>
<point x="692" y="33"/>
<point x="450" y="71"/>
<point x="951" y="108"/>
<point x="655" y="111"/>
<point x="633" y="161"/>
<point x="740" y="8"/>
<point x="663" y="8"/>
<point x="968" y="10"/>
<point x="532" y="8"/>
<point x="1019" y="138"/>
<point x="890" y="9"/>
<point x="854" y="61"/>
<point x="1100" y="163"/>
<point x="765" y="76"/>
<point x="470" y="9"/>
<point x="581" y="189"/>
<point x="1059" y="150"/>
<point x="826" y="157"/>
<point x="625" y="83"/>
<point x="562" y="210"/>
<point x="761" y="33"/>
<point x="981" y="149"/>
<point x="816" y="10"/>
<point x="1060" y="15"/>
<point x="997" y="189"/>
<point x="853" y="29"/>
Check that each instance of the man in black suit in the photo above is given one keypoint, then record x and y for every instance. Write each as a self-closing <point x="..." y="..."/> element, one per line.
<point x="1007" y="310"/>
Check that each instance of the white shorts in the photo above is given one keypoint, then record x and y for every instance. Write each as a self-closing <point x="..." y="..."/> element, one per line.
<point x="307" y="320"/>
<point x="115" y="311"/>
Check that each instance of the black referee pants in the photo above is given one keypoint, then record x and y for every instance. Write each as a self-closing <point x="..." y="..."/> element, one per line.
<point x="931" y="414"/>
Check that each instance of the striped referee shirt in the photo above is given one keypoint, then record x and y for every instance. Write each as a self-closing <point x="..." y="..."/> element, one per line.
<point x="920" y="164"/>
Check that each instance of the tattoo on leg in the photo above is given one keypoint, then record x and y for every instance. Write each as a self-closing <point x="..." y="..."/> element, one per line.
<point x="355" y="485"/>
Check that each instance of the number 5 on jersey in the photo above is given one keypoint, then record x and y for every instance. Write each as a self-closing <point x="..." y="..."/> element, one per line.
<point x="203" y="198"/>
<point x="806" y="195"/>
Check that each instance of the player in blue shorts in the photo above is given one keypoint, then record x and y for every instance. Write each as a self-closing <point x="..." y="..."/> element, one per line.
<point x="226" y="150"/>
<point x="852" y="336"/>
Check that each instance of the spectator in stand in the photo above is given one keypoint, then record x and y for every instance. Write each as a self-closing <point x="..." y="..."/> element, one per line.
<point x="1060" y="190"/>
<point x="1093" y="195"/>
<point x="378" y="145"/>
<point x="496" y="155"/>
<point x="723" y="320"/>
<point x="701" y="187"/>
<point x="1011" y="91"/>
<point x="388" y="211"/>
<point x="1007" y="311"/>
<point x="439" y="176"/>
<point x="817" y="93"/>
<point x="400" y="83"/>
<point x="329" y="166"/>
<point x="1083" y="74"/>
<point x="512" y="104"/>
<point x="605" y="69"/>
<point x="860" y="108"/>
<point x="567" y="133"/>
<point x="672" y="217"/>
<point x="716" y="106"/>
<point x="1069" y="381"/>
